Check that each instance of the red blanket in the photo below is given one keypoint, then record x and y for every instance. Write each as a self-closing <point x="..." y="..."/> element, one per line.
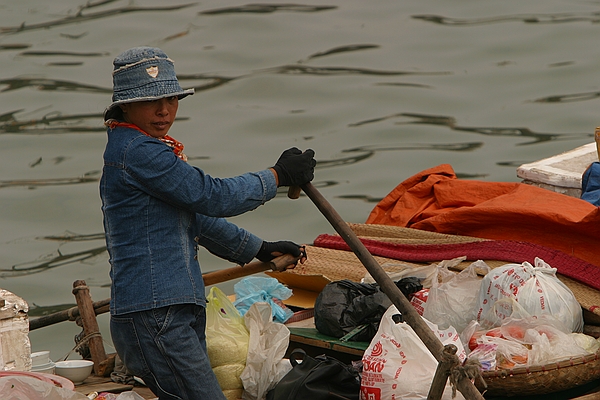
<point x="435" y="200"/>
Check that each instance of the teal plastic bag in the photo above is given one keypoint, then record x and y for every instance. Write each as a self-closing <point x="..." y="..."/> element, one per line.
<point x="255" y="289"/>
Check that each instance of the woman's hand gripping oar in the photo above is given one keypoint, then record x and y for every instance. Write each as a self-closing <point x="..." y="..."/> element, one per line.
<point x="431" y="341"/>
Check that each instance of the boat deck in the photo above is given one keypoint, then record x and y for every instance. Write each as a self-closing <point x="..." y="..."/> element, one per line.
<point x="99" y="384"/>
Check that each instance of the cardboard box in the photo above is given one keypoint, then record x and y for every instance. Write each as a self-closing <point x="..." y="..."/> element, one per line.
<point x="15" y="347"/>
<point x="305" y="288"/>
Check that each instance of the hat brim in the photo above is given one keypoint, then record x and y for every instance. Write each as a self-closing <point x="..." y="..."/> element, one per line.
<point x="110" y="111"/>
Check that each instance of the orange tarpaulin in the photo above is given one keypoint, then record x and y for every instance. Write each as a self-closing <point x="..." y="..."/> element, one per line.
<point x="435" y="200"/>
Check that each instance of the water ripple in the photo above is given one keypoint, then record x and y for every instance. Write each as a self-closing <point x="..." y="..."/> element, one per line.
<point x="50" y="123"/>
<point x="62" y="53"/>
<point x="363" y="197"/>
<point x="50" y="262"/>
<point x="81" y="17"/>
<point x="362" y="153"/>
<point x="450" y="122"/>
<point x="50" y="84"/>
<point x="14" y="46"/>
<point x="295" y="69"/>
<point x="72" y="237"/>
<point x="262" y="8"/>
<point x="213" y="81"/>
<point x="343" y="49"/>
<point x="428" y="146"/>
<point x="345" y="160"/>
<point x="527" y="18"/>
<point x="568" y="98"/>
<point x="35" y="183"/>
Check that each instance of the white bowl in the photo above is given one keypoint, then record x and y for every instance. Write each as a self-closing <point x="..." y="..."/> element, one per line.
<point x="45" y="368"/>
<point x="40" y="358"/>
<point x="74" y="370"/>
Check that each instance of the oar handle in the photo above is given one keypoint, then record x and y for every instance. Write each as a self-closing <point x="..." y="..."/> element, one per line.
<point x="277" y="264"/>
<point x="294" y="192"/>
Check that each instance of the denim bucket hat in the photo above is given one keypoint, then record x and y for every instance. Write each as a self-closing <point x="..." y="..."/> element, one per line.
<point x="142" y="74"/>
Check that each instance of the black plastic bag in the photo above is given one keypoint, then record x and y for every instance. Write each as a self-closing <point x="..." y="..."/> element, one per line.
<point x="352" y="310"/>
<point x="319" y="378"/>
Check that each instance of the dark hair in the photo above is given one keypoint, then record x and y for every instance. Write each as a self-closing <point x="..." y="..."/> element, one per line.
<point x="115" y="113"/>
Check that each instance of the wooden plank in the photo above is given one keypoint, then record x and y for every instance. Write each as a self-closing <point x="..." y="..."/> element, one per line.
<point x="100" y="384"/>
<point x="312" y="337"/>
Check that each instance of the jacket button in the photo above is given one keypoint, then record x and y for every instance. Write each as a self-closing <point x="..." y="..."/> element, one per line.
<point x="196" y="257"/>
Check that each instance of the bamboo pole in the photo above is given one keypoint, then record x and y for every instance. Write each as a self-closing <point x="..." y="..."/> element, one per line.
<point x="70" y="314"/>
<point x="210" y="278"/>
<point x="431" y="341"/>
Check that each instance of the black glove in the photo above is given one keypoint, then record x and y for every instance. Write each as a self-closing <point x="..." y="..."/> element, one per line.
<point x="267" y="249"/>
<point x="295" y="168"/>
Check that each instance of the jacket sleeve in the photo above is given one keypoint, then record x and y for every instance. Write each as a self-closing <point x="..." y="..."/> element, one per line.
<point x="152" y="167"/>
<point x="226" y="240"/>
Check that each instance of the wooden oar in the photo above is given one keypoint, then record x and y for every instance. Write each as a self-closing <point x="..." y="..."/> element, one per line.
<point x="210" y="278"/>
<point x="411" y="316"/>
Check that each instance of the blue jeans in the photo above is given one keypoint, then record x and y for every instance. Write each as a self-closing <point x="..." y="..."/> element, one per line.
<point x="166" y="347"/>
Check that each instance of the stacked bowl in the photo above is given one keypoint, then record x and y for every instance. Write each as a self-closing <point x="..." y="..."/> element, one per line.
<point x="40" y="362"/>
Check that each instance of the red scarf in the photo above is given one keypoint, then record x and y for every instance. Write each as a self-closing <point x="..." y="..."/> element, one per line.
<point x="174" y="144"/>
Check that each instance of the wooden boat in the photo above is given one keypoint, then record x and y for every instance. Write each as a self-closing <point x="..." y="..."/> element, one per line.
<point x="560" y="173"/>
<point x="304" y="335"/>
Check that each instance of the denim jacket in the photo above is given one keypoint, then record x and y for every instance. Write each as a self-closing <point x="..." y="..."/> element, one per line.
<point x="158" y="209"/>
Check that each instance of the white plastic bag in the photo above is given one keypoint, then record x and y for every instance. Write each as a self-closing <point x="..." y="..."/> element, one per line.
<point x="268" y="342"/>
<point x="549" y="344"/>
<point x="397" y="365"/>
<point x="536" y="289"/>
<point x="131" y="395"/>
<point x="501" y="310"/>
<point x="30" y="388"/>
<point x="453" y="301"/>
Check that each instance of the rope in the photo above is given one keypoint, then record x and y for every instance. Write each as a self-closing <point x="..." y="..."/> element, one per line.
<point x="78" y="288"/>
<point x="70" y="313"/>
<point x="471" y="370"/>
<point x="83" y="341"/>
